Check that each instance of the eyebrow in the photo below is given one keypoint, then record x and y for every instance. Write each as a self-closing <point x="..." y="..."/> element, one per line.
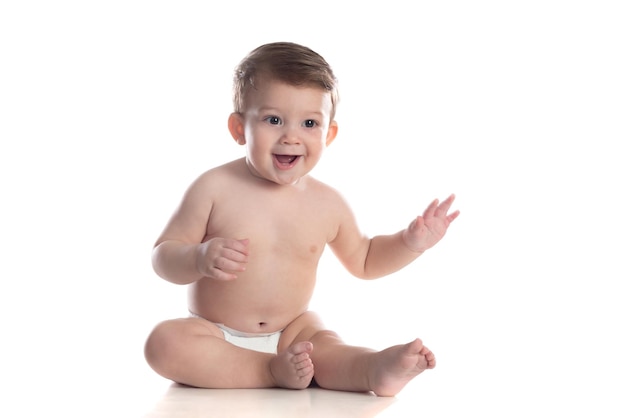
<point x="270" y="109"/>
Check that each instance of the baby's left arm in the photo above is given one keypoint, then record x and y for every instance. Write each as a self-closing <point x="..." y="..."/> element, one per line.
<point x="384" y="254"/>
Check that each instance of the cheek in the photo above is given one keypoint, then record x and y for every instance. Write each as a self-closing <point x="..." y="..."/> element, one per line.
<point x="317" y="150"/>
<point x="256" y="136"/>
<point x="321" y="142"/>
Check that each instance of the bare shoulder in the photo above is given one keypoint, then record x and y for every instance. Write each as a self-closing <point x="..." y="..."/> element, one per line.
<point x="225" y="172"/>
<point x="205" y="190"/>
<point x="325" y="193"/>
<point x="214" y="180"/>
<point x="331" y="205"/>
<point x="189" y="220"/>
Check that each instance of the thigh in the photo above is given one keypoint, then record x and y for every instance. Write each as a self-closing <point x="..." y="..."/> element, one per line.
<point x="203" y="326"/>
<point x="182" y="328"/>
<point x="303" y="328"/>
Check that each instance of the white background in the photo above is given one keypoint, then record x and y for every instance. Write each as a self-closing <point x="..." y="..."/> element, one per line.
<point x="108" y="110"/>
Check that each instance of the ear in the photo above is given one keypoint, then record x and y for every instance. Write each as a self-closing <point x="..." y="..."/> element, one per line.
<point x="332" y="133"/>
<point x="236" y="128"/>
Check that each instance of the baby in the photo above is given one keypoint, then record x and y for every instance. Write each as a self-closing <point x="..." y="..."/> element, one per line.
<point x="247" y="238"/>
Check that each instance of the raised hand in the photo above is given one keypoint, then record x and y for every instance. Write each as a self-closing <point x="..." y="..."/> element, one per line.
<point x="426" y="230"/>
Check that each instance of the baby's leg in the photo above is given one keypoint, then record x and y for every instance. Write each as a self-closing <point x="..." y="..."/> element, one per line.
<point x="339" y="366"/>
<point x="343" y="367"/>
<point x="193" y="351"/>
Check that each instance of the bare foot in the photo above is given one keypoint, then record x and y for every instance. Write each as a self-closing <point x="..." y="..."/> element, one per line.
<point x="293" y="368"/>
<point x="397" y="365"/>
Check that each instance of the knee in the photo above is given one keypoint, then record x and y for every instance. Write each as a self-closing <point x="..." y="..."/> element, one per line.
<point x="326" y="336"/>
<point x="160" y="346"/>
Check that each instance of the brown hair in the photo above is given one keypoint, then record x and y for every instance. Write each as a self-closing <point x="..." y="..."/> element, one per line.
<point x="286" y="62"/>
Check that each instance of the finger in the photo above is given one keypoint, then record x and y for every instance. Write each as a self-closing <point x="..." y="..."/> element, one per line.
<point x="234" y="255"/>
<point x="417" y="224"/>
<point x="227" y="265"/>
<point x="218" y="274"/>
<point x="443" y="208"/>
<point x="430" y="210"/>
<point x="453" y="215"/>
<point x="238" y="245"/>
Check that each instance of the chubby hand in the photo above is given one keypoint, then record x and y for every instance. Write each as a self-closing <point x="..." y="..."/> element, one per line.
<point x="222" y="258"/>
<point x="426" y="230"/>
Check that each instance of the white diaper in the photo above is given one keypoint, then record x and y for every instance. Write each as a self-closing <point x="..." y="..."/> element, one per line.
<point x="262" y="342"/>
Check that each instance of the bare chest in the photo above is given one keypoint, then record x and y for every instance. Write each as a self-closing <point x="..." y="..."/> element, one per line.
<point x="290" y="226"/>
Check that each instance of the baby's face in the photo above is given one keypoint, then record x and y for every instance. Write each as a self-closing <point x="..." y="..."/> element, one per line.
<point x="286" y="128"/>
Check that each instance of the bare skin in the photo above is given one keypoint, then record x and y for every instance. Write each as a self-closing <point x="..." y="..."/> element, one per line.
<point x="247" y="238"/>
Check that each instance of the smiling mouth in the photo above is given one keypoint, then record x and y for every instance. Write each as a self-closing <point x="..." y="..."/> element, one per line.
<point x="285" y="159"/>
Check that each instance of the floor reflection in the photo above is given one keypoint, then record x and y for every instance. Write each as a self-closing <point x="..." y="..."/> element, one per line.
<point x="183" y="401"/>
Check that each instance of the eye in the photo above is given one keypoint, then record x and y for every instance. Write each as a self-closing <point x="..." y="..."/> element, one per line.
<point x="273" y="120"/>
<point x="310" y="123"/>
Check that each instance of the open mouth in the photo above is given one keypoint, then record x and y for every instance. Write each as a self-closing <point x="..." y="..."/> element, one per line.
<point x="286" y="160"/>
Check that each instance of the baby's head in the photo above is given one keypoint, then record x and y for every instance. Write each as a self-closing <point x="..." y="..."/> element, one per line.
<point x="286" y="62"/>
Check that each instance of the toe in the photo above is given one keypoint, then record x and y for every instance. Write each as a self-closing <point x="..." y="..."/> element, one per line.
<point x="303" y="347"/>
<point x="305" y="371"/>
<point x="300" y="358"/>
<point x="417" y="346"/>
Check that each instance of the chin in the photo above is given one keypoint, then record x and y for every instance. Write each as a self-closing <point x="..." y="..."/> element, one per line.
<point x="287" y="181"/>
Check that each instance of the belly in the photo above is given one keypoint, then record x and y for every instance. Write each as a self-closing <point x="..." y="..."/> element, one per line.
<point x="252" y="303"/>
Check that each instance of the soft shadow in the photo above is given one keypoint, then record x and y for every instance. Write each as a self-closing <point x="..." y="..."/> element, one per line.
<point x="188" y="402"/>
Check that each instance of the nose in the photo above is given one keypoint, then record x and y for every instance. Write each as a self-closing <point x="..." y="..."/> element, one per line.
<point x="290" y="136"/>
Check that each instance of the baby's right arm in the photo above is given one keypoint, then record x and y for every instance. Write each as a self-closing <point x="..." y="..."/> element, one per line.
<point x="183" y="255"/>
<point x="217" y="258"/>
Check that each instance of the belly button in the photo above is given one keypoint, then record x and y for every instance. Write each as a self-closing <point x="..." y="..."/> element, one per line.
<point x="262" y="324"/>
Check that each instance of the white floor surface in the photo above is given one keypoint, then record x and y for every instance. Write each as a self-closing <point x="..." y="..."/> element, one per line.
<point x="180" y="401"/>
